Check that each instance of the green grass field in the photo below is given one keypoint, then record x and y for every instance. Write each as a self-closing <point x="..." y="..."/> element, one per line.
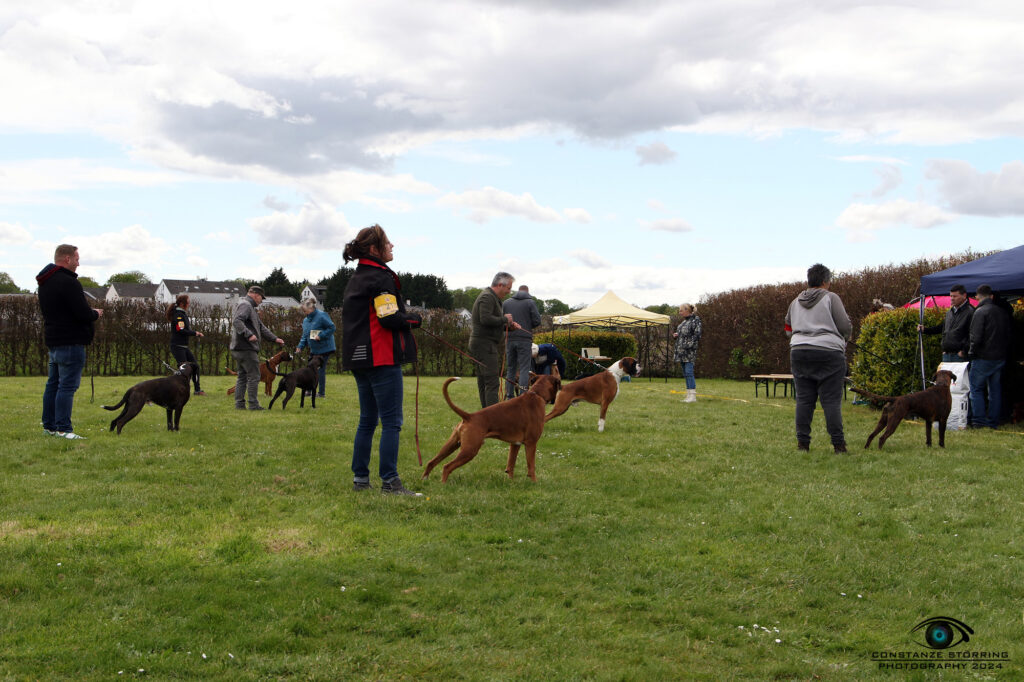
<point x="685" y="542"/>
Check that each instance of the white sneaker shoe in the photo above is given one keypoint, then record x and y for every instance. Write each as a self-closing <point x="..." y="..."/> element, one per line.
<point x="70" y="435"/>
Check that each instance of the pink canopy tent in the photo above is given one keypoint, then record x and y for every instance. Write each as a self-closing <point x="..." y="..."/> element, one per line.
<point x="935" y="302"/>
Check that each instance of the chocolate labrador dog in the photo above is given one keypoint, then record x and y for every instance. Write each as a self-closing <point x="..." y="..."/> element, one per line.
<point x="931" y="404"/>
<point x="170" y="393"/>
<point x="305" y="378"/>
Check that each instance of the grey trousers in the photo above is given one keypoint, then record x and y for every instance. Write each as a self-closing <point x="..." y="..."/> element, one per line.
<point x="818" y="375"/>
<point x="248" y="363"/>
<point x="487" y="381"/>
<point x="518" y="362"/>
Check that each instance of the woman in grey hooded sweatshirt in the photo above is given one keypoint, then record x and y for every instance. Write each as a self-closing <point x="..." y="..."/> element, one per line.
<point x="818" y="326"/>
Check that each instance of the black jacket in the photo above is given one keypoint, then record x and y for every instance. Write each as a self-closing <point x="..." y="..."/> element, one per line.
<point x="956" y="329"/>
<point x="181" y="330"/>
<point x="990" y="332"/>
<point x="376" y="329"/>
<point x="67" y="317"/>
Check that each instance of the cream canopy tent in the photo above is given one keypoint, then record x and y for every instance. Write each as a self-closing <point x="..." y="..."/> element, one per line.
<point x="612" y="311"/>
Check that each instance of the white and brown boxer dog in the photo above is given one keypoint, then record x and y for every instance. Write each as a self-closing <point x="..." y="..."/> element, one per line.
<point x="600" y="389"/>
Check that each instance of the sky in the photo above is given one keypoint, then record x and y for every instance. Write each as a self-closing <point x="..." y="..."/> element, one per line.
<point x="662" y="150"/>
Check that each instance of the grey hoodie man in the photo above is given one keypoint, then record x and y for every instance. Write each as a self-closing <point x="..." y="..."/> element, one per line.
<point x="818" y="326"/>
<point x="519" y="349"/>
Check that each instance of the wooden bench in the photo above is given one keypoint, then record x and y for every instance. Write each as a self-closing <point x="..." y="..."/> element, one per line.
<point x="786" y="380"/>
<point x="775" y="379"/>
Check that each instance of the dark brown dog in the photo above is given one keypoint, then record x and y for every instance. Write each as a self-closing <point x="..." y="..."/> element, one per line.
<point x="168" y="392"/>
<point x="305" y="379"/>
<point x="931" y="404"/>
<point x="600" y="389"/>
<point x="519" y="421"/>
<point x="268" y="370"/>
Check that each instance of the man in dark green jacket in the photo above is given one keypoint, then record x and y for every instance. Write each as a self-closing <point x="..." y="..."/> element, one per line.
<point x="488" y="336"/>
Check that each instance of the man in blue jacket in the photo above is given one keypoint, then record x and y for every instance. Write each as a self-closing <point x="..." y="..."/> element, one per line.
<point x="67" y="330"/>
<point x="318" y="334"/>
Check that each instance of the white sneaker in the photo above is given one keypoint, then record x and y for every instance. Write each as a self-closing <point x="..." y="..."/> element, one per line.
<point x="70" y="435"/>
<point x="48" y="432"/>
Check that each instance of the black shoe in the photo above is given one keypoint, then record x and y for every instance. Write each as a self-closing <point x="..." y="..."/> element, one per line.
<point x="803" y="447"/>
<point x="395" y="487"/>
<point x="840" y="448"/>
<point x="199" y="393"/>
<point x="257" y="408"/>
<point x="239" y="407"/>
<point x="361" y="485"/>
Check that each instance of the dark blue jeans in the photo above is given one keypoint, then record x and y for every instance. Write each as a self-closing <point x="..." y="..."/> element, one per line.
<point x="380" y="400"/>
<point x="323" y="371"/>
<point x="986" y="381"/>
<point x="818" y="374"/>
<point x="66" y="365"/>
<point x="691" y="383"/>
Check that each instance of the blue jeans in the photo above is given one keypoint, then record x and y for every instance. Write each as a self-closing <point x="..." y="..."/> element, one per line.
<point x="952" y="357"/>
<point x="986" y="378"/>
<point x="380" y="399"/>
<point x="691" y="383"/>
<point x="323" y="371"/>
<point x="66" y="365"/>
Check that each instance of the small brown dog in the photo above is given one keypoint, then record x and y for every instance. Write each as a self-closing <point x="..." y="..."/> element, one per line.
<point x="519" y="421"/>
<point x="600" y="389"/>
<point x="931" y="404"/>
<point x="267" y="370"/>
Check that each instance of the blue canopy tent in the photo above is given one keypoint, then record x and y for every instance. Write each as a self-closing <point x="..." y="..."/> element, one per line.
<point x="1003" y="271"/>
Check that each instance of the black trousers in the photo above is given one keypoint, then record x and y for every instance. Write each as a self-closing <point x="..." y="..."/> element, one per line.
<point x="184" y="354"/>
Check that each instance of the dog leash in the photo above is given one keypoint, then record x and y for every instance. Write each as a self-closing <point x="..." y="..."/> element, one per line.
<point x="143" y="347"/>
<point x="466" y="355"/>
<point x="580" y="356"/>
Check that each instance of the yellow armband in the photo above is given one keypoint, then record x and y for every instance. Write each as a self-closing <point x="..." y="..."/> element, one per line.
<point x="385" y="305"/>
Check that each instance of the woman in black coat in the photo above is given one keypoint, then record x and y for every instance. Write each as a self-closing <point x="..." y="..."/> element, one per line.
<point x="181" y="330"/>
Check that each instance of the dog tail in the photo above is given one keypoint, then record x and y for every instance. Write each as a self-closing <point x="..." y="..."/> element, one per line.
<point x="455" y="408"/>
<point x="874" y="396"/>
<point x="273" y="370"/>
<point x="231" y="371"/>
<point x="124" y="399"/>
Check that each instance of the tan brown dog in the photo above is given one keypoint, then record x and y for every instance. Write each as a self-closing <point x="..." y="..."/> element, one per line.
<point x="268" y="370"/>
<point x="600" y="389"/>
<point x="931" y="404"/>
<point x="519" y="421"/>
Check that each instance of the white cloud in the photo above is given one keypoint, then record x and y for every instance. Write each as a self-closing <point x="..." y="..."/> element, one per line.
<point x="668" y="225"/>
<point x="578" y="215"/>
<point x="862" y="221"/>
<point x="12" y="234"/>
<point x="489" y="203"/>
<point x="133" y="248"/>
<point x="351" y="86"/>
<point x="275" y="204"/>
<point x="313" y="227"/>
<point x="866" y="158"/>
<point x="891" y="178"/>
<point x="972" y="192"/>
<point x="589" y="258"/>
<point x="32" y="181"/>
<point x="655" y="153"/>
